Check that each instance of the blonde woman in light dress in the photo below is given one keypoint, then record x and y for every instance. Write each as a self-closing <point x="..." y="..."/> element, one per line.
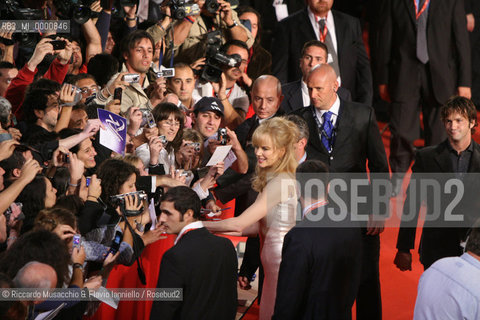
<point x="272" y="214"/>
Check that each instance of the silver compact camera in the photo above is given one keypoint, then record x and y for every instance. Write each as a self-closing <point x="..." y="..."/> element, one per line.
<point x="131" y="78"/>
<point x="183" y="173"/>
<point x="166" y="73"/>
<point x="147" y="118"/>
<point x="163" y="139"/>
<point x="195" y="145"/>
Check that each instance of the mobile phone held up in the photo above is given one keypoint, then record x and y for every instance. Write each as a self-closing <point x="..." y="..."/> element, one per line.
<point x="116" y="243"/>
<point x="77" y="241"/>
<point x="117" y="94"/>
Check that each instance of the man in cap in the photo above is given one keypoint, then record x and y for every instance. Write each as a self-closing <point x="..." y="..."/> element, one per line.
<point x="208" y="116"/>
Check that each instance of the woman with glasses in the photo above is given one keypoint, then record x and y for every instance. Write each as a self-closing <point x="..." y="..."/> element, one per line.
<point x="160" y="150"/>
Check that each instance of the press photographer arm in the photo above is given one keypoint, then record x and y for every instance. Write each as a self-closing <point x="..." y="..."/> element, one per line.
<point x="233" y="117"/>
<point x="237" y="31"/>
<point x="94" y="42"/>
<point x="7" y="49"/>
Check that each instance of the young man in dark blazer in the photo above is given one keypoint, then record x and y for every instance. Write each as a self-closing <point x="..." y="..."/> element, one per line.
<point x="457" y="157"/>
<point x="353" y="138"/>
<point x="295" y="94"/>
<point x="203" y="265"/>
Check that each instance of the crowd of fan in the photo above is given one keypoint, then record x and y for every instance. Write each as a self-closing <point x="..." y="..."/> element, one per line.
<point x="57" y="181"/>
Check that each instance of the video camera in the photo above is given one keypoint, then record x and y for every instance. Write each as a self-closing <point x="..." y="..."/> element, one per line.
<point x="78" y="10"/>
<point x="119" y="200"/>
<point x="180" y="9"/>
<point x="216" y="59"/>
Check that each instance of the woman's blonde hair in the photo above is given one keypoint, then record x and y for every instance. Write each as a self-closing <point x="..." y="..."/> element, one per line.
<point x="283" y="134"/>
<point x="130" y="159"/>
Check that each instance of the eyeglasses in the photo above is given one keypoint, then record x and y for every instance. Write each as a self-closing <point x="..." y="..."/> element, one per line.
<point x="168" y="123"/>
<point x="92" y="89"/>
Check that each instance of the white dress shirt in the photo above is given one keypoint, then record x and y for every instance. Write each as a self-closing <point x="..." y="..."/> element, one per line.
<point x="334" y="109"/>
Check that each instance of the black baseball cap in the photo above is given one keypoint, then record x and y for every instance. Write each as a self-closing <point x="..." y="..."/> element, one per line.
<point x="209" y="104"/>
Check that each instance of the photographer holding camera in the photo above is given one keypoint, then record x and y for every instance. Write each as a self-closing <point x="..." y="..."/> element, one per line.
<point x="234" y="98"/>
<point x="138" y="49"/>
<point x="190" y="33"/>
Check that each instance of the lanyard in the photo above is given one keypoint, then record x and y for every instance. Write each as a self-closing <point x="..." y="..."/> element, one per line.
<point x="228" y="94"/>
<point x="322" y="131"/>
<point x="424" y="7"/>
<point x="160" y="60"/>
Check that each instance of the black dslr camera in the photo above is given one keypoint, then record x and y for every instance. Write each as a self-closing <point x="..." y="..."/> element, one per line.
<point x="78" y="10"/>
<point x="211" y="6"/>
<point x="216" y="59"/>
<point x="119" y="200"/>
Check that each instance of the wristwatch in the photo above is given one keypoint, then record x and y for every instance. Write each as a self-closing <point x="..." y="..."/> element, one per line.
<point x="234" y="24"/>
<point x="77" y="265"/>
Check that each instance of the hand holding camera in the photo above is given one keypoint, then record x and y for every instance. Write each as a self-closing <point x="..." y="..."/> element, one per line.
<point x="69" y="95"/>
<point x="64" y="49"/>
<point x="118" y="82"/>
<point x="147" y="118"/>
<point x="129" y="203"/>
<point x="14" y="216"/>
<point x="134" y="116"/>
<point x="178" y="174"/>
<point x="43" y="48"/>
<point x="78" y="255"/>
<point x="155" y="145"/>
<point x="225" y="9"/>
<point x="94" y="188"/>
<point x="58" y="156"/>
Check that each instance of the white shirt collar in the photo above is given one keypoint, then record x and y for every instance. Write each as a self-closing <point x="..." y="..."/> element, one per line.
<point x="305" y="96"/>
<point x="193" y="225"/>
<point x="335" y="108"/>
<point x="303" y="158"/>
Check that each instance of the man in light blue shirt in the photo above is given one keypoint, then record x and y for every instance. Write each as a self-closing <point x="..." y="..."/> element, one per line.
<point x="450" y="288"/>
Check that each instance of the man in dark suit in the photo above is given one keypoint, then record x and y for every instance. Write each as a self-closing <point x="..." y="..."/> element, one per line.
<point x="423" y="58"/>
<point x="344" y="135"/>
<point x="203" y="265"/>
<point x="321" y="258"/>
<point x="268" y="11"/>
<point x="295" y="94"/>
<point x="340" y="32"/>
<point x="453" y="158"/>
